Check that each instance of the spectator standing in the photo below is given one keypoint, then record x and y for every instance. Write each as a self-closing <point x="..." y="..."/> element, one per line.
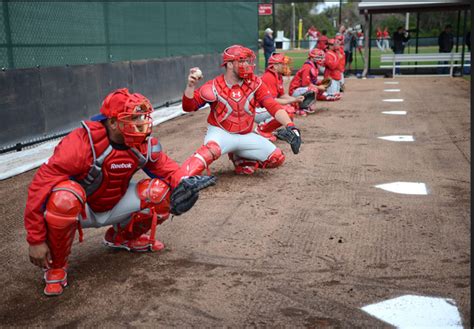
<point x="313" y="36"/>
<point x="400" y="38"/>
<point x="378" y="39"/>
<point x="445" y="43"/>
<point x="268" y="45"/>
<point x="385" y="39"/>
<point x="349" y="41"/>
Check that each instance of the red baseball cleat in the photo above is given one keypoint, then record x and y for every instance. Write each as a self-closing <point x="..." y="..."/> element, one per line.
<point x="56" y="281"/>
<point x="141" y="244"/>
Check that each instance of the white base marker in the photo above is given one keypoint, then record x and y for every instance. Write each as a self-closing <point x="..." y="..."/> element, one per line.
<point x="395" y="112"/>
<point x="391" y="82"/>
<point x="412" y="311"/>
<point x="405" y="188"/>
<point x="398" y="138"/>
<point x="393" y="100"/>
<point x="391" y="90"/>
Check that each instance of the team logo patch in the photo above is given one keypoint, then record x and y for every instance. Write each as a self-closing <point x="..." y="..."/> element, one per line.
<point x="236" y="95"/>
<point x="121" y="166"/>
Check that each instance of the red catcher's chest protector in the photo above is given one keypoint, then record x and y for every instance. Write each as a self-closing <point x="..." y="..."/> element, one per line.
<point x="234" y="109"/>
<point x="111" y="171"/>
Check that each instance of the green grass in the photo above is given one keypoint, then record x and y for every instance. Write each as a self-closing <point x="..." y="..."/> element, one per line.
<point x="300" y="56"/>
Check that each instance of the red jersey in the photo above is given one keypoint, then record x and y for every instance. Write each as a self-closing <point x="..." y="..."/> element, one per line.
<point x="332" y="63"/>
<point x="232" y="107"/>
<point x="72" y="159"/>
<point x="274" y="83"/>
<point x="379" y="34"/>
<point x="323" y="42"/>
<point x="308" y="74"/>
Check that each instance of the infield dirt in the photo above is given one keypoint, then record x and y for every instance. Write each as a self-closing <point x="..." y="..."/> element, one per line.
<point x="304" y="245"/>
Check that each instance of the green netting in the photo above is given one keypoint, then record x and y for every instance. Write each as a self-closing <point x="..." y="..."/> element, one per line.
<point x="53" y="56"/>
<point x="58" y="33"/>
<point x="3" y="34"/>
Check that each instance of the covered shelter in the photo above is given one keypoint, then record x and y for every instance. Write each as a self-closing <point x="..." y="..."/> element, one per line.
<point x="369" y="8"/>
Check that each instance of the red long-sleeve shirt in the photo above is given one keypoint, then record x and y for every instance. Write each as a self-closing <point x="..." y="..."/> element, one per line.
<point x="308" y="74"/>
<point x="332" y="64"/>
<point x="274" y="83"/>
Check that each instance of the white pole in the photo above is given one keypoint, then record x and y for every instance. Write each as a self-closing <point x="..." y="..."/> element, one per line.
<point x="293" y="36"/>
<point x="407" y="21"/>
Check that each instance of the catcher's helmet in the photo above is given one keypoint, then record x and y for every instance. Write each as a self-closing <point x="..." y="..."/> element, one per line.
<point x="245" y="57"/>
<point x="133" y="113"/>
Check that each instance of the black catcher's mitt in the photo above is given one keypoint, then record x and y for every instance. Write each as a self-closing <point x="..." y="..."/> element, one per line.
<point x="185" y="195"/>
<point x="292" y="136"/>
<point x="309" y="97"/>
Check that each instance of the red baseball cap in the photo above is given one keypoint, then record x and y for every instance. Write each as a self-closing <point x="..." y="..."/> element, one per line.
<point x="113" y="104"/>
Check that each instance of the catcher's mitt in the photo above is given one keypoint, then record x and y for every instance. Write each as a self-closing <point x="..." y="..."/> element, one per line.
<point x="326" y="82"/>
<point x="185" y="195"/>
<point x="292" y="136"/>
<point x="309" y="97"/>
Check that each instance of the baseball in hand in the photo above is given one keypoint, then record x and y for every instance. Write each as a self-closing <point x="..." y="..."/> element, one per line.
<point x="197" y="73"/>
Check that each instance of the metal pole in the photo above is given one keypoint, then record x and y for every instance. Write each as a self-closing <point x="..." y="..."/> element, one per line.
<point x="8" y="35"/>
<point x="457" y="30"/>
<point x="417" y="36"/>
<point x="366" y="46"/>
<point x="457" y="38"/>
<point x="369" y="37"/>
<point x="340" y="12"/>
<point x="107" y="32"/>
<point x="293" y="25"/>
<point x="463" y="43"/>
<point x="273" y="18"/>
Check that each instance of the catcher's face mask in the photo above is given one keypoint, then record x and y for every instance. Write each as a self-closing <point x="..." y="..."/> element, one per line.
<point x="244" y="67"/>
<point x="135" y="123"/>
<point x="242" y="58"/>
<point x="281" y="63"/>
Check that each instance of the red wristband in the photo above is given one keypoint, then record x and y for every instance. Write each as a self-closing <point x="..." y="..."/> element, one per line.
<point x="291" y="124"/>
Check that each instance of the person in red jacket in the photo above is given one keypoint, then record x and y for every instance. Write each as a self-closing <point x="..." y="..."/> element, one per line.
<point x="323" y="41"/>
<point x="87" y="182"/>
<point x="333" y="68"/>
<point x="233" y="97"/>
<point x="306" y="79"/>
<point x="278" y="66"/>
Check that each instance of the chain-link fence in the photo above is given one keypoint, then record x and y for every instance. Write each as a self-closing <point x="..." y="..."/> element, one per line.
<point x="70" y="33"/>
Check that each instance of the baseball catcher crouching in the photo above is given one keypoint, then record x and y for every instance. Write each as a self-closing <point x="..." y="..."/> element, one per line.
<point x="87" y="182"/>
<point x="233" y="98"/>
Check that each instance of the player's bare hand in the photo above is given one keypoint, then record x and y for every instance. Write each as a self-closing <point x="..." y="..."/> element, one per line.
<point x="40" y="255"/>
<point x="322" y="87"/>
<point x="195" y="74"/>
<point x="299" y="99"/>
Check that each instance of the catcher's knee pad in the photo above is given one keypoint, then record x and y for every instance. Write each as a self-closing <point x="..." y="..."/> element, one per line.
<point x="65" y="204"/>
<point x="274" y="160"/>
<point x="201" y="159"/>
<point x="154" y="193"/>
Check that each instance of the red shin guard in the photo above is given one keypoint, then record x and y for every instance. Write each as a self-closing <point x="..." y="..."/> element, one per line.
<point x="63" y="208"/>
<point x="201" y="159"/>
<point x="275" y="159"/>
<point x="155" y="196"/>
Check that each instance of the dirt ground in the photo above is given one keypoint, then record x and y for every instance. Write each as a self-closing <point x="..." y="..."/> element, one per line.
<point x="304" y="245"/>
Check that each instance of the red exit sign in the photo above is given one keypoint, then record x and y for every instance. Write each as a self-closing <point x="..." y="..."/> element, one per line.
<point x="264" y="9"/>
